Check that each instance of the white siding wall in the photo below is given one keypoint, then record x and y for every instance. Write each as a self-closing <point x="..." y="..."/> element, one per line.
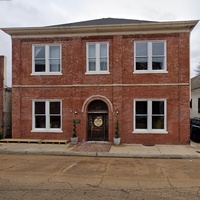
<point x="194" y="110"/>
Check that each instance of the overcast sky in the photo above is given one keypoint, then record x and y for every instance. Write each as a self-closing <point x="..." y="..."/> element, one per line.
<point x="26" y="13"/>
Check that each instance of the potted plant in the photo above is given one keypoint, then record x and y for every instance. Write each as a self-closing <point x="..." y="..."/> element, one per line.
<point x="74" y="138"/>
<point x="117" y="138"/>
<point x="1" y="135"/>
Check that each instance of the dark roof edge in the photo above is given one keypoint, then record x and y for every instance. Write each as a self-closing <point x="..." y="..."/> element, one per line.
<point x="104" y="21"/>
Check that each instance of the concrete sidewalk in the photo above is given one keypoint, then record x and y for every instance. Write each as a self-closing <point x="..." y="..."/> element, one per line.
<point x="123" y="150"/>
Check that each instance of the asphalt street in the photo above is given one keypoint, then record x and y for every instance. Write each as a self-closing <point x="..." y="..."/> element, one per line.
<point x="67" y="177"/>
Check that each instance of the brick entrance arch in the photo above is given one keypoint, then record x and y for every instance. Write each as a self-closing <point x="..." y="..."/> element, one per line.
<point x="97" y="97"/>
<point x="97" y="109"/>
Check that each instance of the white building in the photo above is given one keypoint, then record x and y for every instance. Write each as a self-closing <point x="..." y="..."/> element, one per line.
<point x="195" y="97"/>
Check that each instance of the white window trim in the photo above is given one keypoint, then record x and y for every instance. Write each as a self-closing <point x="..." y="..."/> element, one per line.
<point x="149" y="65"/>
<point x="47" y="114"/>
<point x="149" y="130"/>
<point x="47" y="72"/>
<point x="97" y="71"/>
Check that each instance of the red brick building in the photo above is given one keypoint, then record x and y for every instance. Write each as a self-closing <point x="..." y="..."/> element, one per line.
<point x="99" y="71"/>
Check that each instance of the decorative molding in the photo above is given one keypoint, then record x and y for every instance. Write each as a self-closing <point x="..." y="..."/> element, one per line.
<point x="96" y="97"/>
<point x="96" y="30"/>
<point x="102" y="85"/>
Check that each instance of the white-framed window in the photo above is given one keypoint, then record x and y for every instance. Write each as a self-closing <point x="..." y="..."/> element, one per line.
<point x="97" y="58"/>
<point x="150" y="115"/>
<point x="150" y="56"/>
<point x="47" y="115"/>
<point x="46" y="59"/>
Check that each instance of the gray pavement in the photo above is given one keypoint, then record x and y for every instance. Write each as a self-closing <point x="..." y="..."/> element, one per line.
<point x="124" y="150"/>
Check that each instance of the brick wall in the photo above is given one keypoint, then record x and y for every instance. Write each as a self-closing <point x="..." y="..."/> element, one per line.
<point x="119" y="87"/>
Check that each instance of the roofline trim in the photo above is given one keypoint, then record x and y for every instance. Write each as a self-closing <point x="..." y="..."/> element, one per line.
<point x="196" y="88"/>
<point x="172" y="26"/>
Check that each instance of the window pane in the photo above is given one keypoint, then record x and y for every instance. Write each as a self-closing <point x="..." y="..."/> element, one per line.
<point x="103" y="50"/>
<point x="141" y="63"/>
<point x="158" y="107"/>
<point x="158" y="48"/>
<point x="103" y="64"/>
<point x="39" y="65"/>
<point x="55" y="122"/>
<point x="158" y="63"/>
<point x="92" y="50"/>
<point x="54" y="52"/>
<point x="39" y="107"/>
<point x="141" y="49"/>
<point x="54" y="65"/>
<point x="40" y="52"/>
<point x="54" y="107"/>
<point x="141" y="107"/>
<point x="92" y="64"/>
<point x="141" y="122"/>
<point x="40" y="122"/>
<point x="157" y="122"/>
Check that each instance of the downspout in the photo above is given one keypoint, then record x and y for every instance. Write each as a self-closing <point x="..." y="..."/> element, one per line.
<point x="179" y="112"/>
<point x="20" y="68"/>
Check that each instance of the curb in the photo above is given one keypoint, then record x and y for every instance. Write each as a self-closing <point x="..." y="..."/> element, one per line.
<point x="100" y="154"/>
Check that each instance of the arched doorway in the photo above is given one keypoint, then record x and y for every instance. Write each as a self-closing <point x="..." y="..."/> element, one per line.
<point x="97" y="123"/>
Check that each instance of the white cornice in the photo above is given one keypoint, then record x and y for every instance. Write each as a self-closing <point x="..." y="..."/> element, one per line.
<point x="122" y="29"/>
